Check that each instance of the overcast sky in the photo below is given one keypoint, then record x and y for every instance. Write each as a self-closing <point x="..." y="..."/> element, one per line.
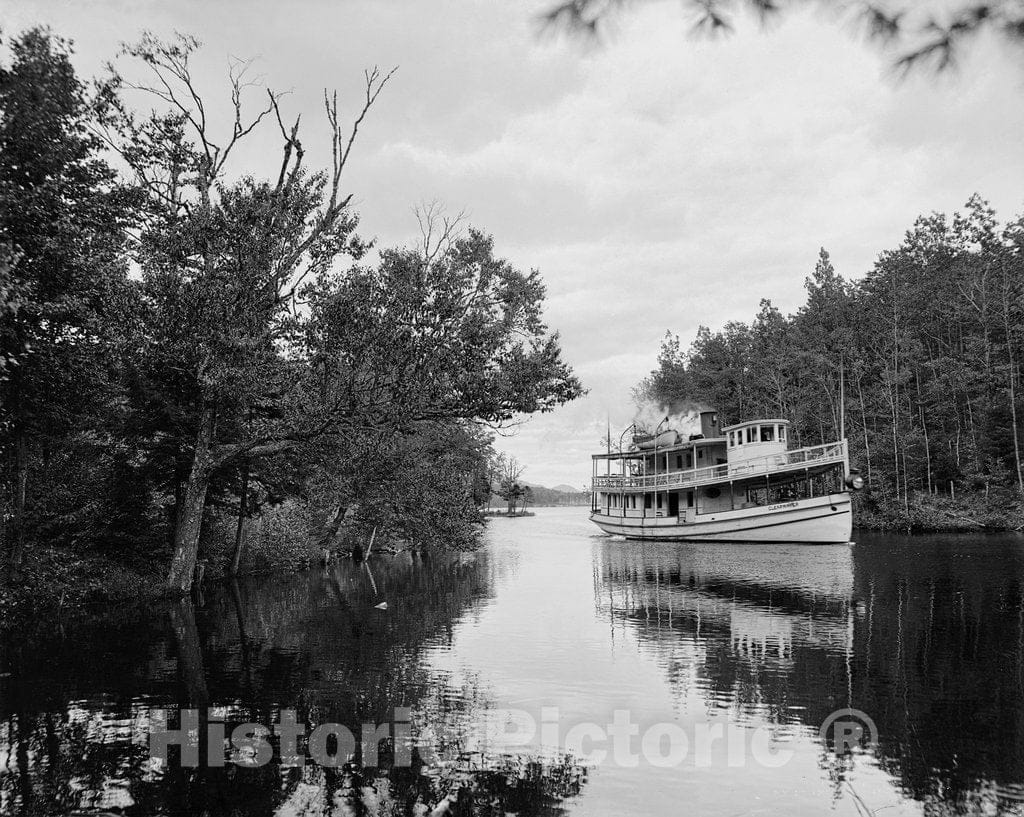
<point x="658" y="182"/>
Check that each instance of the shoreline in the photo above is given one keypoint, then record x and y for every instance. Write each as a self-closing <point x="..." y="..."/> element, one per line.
<point x="58" y="582"/>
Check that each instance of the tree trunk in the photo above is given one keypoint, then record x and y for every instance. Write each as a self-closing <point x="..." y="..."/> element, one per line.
<point x="329" y="532"/>
<point x="190" y="515"/>
<point x="1011" y="367"/>
<point x="236" y="556"/>
<point x="924" y="430"/>
<point x="864" y="426"/>
<point x="973" y="431"/>
<point x="895" y="438"/>
<point x="17" y="549"/>
<point x="906" y="484"/>
<point x="179" y="500"/>
<point x="1016" y="433"/>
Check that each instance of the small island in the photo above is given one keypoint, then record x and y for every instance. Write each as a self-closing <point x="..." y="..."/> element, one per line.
<point x="504" y="481"/>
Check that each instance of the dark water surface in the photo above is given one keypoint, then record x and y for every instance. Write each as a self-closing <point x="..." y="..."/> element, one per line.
<point x="555" y="626"/>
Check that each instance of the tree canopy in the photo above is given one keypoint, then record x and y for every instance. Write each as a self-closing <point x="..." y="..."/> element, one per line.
<point x="921" y="357"/>
<point x="261" y="352"/>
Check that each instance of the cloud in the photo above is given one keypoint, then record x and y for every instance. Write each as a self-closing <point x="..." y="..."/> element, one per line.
<point x="659" y="182"/>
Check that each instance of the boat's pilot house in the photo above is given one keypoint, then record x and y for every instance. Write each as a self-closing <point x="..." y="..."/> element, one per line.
<point x="755" y="440"/>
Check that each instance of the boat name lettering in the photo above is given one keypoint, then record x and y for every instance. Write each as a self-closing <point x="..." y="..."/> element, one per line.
<point x="783" y="505"/>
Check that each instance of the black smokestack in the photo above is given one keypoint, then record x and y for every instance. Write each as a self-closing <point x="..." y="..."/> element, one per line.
<point x="709" y="424"/>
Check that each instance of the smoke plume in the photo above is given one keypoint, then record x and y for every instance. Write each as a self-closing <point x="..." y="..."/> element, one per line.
<point x="684" y="418"/>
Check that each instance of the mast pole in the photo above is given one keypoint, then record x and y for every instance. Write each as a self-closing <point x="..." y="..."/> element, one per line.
<point x="654" y="500"/>
<point x="608" y="459"/>
<point x="643" y="482"/>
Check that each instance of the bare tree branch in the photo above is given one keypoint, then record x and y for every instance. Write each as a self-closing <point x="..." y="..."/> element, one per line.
<point x="438" y="231"/>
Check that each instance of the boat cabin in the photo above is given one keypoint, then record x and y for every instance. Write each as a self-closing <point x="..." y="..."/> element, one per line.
<point x="749" y="442"/>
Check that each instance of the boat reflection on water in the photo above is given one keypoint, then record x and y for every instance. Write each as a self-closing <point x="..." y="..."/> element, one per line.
<point x="736" y="621"/>
<point x="925" y="635"/>
<point x="77" y="705"/>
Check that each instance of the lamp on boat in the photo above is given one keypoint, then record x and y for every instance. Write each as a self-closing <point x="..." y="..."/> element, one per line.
<point x="854" y="481"/>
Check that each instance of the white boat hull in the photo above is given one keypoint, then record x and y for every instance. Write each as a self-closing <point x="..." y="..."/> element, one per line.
<point x="821" y="520"/>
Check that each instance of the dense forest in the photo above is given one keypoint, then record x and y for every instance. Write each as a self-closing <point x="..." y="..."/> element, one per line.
<point x="202" y="366"/>
<point x="921" y="357"/>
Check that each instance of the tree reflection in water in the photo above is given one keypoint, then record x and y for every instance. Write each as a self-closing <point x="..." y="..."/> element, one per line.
<point x="924" y="634"/>
<point x="77" y="706"/>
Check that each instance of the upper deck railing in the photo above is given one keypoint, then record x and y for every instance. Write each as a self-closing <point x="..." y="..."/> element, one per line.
<point x="783" y="461"/>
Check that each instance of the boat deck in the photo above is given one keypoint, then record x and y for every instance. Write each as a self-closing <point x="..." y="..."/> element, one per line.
<point x="796" y="460"/>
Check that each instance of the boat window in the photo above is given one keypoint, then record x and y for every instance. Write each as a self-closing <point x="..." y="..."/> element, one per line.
<point x="647" y="500"/>
<point x="739" y="437"/>
<point x="700" y="453"/>
<point x="730" y="440"/>
<point x="689" y="499"/>
<point x="767" y="434"/>
<point x="752" y="434"/>
<point x="782" y="434"/>
<point x="679" y="461"/>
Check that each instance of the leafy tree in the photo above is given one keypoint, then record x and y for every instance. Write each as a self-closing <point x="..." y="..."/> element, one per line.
<point x="527" y="498"/>
<point x="508" y="481"/>
<point x="254" y="359"/>
<point x="222" y="262"/>
<point x="61" y="222"/>
<point x="449" y="335"/>
<point x="455" y="337"/>
<point x="669" y="385"/>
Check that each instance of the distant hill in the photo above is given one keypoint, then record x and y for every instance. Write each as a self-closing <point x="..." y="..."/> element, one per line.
<point x="559" y="495"/>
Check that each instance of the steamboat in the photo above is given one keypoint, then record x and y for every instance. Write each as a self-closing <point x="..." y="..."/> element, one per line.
<point x="740" y="483"/>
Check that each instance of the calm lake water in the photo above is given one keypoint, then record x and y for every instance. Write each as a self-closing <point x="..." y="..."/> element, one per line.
<point x="557" y="627"/>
